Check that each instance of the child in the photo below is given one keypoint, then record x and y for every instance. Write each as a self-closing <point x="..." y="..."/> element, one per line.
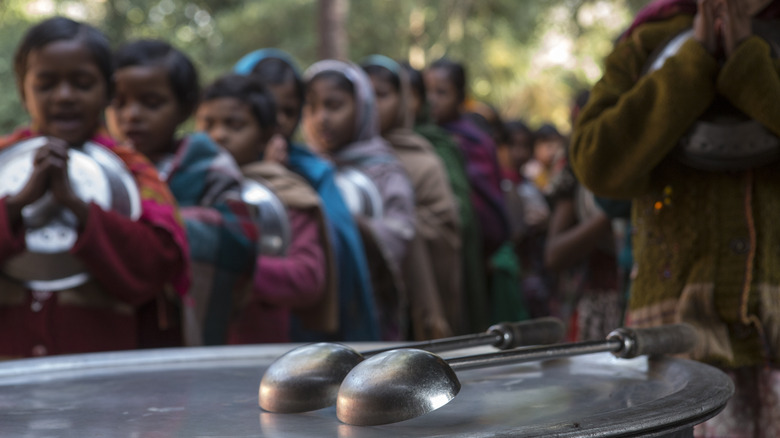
<point x="432" y="266"/>
<point x="446" y="86"/>
<point x="529" y="215"/>
<point x="238" y="113"/>
<point x="157" y="90"/>
<point x="357" y="315"/>
<point x="474" y="283"/>
<point x="340" y="122"/>
<point x="548" y="159"/>
<point x="705" y="231"/>
<point x="63" y="71"/>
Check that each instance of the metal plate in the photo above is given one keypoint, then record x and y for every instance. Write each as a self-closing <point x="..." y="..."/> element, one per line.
<point x="359" y="192"/>
<point x="275" y="232"/>
<point x="213" y="392"/>
<point x="96" y="175"/>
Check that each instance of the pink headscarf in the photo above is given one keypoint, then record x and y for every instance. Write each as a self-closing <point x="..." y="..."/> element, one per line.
<point x="659" y="10"/>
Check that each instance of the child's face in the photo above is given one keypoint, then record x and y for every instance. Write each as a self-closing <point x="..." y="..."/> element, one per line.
<point x="545" y="150"/>
<point x="520" y="148"/>
<point x="64" y="91"/>
<point x="330" y="115"/>
<point x="230" y="123"/>
<point x="388" y="103"/>
<point x="442" y="96"/>
<point x="288" y="107"/>
<point x="145" y="112"/>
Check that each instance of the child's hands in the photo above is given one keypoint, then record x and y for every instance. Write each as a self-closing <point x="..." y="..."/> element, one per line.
<point x="50" y="172"/>
<point x="736" y="24"/>
<point x="707" y="25"/>
<point x="59" y="182"/>
<point x="276" y="150"/>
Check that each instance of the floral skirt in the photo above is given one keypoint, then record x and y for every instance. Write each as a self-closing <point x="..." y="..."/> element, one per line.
<point x="753" y="411"/>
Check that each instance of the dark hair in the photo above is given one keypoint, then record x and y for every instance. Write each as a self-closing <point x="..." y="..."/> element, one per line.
<point x="384" y="74"/>
<point x="341" y="81"/>
<point x="518" y="125"/>
<point x="248" y="90"/>
<point x="181" y="72"/>
<point x="275" y="71"/>
<point x="416" y="82"/>
<point x="59" y="29"/>
<point x="546" y="132"/>
<point x="457" y="74"/>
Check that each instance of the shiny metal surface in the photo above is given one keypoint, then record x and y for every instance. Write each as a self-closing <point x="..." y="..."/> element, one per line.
<point x="394" y="386"/>
<point x="359" y="192"/>
<point x="402" y="384"/>
<point x="275" y="232"/>
<point x="96" y="175"/>
<point x="209" y="392"/>
<point x="308" y="377"/>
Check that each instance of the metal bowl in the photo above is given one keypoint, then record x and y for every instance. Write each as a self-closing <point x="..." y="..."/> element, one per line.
<point x="96" y="175"/>
<point x="724" y="138"/>
<point x="359" y="192"/>
<point x="270" y="215"/>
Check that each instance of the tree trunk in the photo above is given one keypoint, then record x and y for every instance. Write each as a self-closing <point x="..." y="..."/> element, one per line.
<point x="332" y="28"/>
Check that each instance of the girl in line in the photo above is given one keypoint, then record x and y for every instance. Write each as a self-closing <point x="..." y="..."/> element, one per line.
<point x="474" y="284"/>
<point x="239" y="114"/>
<point x="340" y="121"/>
<point x="706" y="235"/>
<point x="445" y="83"/>
<point x="157" y="90"/>
<point x="357" y="312"/>
<point x="432" y="265"/>
<point x="138" y="268"/>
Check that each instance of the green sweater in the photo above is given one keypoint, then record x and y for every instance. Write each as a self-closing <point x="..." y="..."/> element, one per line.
<point x="707" y="245"/>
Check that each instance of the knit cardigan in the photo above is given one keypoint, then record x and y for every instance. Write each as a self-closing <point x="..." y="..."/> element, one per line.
<point x="707" y="245"/>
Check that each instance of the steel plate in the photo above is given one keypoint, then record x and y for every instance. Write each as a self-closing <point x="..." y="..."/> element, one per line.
<point x="212" y="391"/>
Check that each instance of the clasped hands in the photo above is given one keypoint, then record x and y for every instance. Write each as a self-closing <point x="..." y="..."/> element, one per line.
<point x="50" y="173"/>
<point x="721" y="25"/>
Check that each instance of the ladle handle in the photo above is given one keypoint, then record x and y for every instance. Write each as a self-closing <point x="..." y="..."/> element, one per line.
<point x="625" y="343"/>
<point x="504" y="336"/>
<point x="541" y="331"/>
<point x="665" y="339"/>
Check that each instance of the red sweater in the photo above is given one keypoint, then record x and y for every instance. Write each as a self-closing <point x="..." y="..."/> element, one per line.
<point x="130" y="263"/>
<point x="283" y="283"/>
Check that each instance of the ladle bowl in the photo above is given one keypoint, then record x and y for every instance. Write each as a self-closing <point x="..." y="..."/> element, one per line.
<point x="308" y="377"/>
<point x="403" y="384"/>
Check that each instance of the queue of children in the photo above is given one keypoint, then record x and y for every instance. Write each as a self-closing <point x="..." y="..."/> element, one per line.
<point x="478" y="220"/>
<point x="443" y="257"/>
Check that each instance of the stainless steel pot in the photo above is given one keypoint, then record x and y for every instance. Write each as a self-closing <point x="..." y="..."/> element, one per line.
<point x="96" y="175"/>
<point x="359" y="192"/>
<point x="271" y="217"/>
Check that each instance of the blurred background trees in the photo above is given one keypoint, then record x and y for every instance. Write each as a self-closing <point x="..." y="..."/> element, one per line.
<point x="526" y="57"/>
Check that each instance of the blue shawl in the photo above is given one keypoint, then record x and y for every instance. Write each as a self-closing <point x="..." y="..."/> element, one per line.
<point x="357" y="313"/>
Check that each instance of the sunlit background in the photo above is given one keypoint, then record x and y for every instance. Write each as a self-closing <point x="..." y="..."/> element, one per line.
<point x="525" y="57"/>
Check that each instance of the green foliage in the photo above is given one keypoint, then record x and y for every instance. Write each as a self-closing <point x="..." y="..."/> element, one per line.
<point x="507" y="45"/>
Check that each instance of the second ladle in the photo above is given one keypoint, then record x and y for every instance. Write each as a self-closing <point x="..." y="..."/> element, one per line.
<point x="308" y="377"/>
<point x="403" y="384"/>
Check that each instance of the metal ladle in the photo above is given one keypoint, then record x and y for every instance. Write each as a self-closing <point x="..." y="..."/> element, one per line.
<point x="402" y="384"/>
<point x="307" y="378"/>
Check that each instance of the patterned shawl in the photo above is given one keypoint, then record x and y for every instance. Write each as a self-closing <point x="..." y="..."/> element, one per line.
<point x="157" y="204"/>
<point x="206" y="182"/>
<point x="483" y="174"/>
